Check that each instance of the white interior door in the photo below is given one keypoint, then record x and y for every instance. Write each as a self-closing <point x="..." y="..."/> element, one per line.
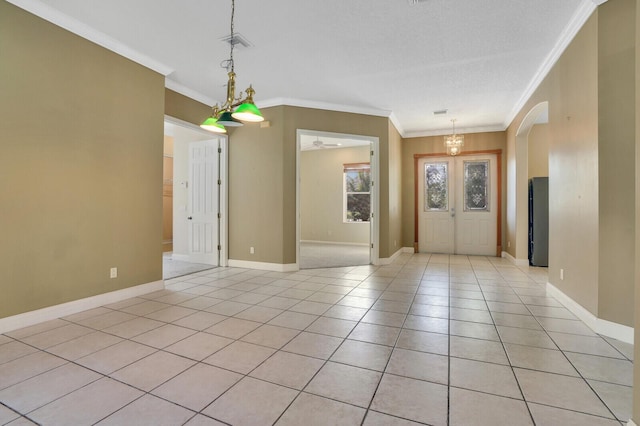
<point x="457" y="205"/>
<point x="476" y="217"/>
<point x="436" y="208"/>
<point x="203" y="202"/>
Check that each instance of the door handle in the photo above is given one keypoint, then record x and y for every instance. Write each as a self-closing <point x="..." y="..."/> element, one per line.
<point x="190" y="217"/>
<point x="453" y="212"/>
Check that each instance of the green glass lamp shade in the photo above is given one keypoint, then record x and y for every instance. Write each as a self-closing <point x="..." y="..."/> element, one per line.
<point x="212" y="125"/>
<point x="248" y="112"/>
<point x="226" y="119"/>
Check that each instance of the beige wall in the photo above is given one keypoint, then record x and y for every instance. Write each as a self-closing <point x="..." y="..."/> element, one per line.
<point x="434" y="145"/>
<point x="395" y="191"/>
<point x="322" y="196"/>
<point x="81" y="167"/>
<point x="538" y="147"/>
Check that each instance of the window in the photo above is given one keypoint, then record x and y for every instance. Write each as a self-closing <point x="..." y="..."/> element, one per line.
<point x="357" y="192"/>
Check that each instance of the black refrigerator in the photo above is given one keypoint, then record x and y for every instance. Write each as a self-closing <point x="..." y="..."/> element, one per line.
<point x="539" y="221"/>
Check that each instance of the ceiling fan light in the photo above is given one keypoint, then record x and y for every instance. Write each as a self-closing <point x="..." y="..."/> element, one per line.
<point x="226" y="119"/>
<point x="248" y="112"/>
<point x="212" y="125"/>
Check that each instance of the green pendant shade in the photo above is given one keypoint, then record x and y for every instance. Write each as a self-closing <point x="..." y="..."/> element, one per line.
<point x="248" y="112"/>
<point x="212" y="125"/>
<point x="226" y="119"/>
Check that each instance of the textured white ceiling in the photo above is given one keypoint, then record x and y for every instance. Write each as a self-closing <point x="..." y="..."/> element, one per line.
<point x="479" y="59"/>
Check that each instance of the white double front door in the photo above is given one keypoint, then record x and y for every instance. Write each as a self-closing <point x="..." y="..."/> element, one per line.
<point x="457" y="205"/>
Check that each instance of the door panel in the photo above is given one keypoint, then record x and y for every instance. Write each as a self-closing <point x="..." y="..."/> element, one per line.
<point x="436" y="214"/>
<point x="203" y="202"/>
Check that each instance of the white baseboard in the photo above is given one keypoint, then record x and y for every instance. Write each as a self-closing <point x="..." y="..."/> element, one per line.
<point x="394" y="256"/>
<point x="607" y="328"/>
<point x="631" y="423"/>
<point x="334" y="242"/>
<point x="274" y="267"/>
<point x="517" y="262"/>
<point x="57" y="311"/>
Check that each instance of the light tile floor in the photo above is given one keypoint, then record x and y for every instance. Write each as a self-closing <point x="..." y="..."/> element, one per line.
<point x="430" y="339"/>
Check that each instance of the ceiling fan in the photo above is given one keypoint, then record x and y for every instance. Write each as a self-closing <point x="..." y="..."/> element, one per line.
<point x="321" y="145"/>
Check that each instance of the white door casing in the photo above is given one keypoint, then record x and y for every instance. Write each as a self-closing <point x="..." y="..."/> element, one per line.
<point x="203" y="202"/>
<point x="452" y="222"/>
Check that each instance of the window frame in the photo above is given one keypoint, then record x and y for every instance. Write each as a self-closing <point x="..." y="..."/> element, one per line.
<point x="351" y="167"/>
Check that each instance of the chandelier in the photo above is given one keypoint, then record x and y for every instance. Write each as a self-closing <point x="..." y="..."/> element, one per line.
<point x="454" y="143"/>
<point x="245" y="109"/>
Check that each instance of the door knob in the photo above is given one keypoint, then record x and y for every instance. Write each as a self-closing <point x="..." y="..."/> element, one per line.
<point x="189" y="217"/>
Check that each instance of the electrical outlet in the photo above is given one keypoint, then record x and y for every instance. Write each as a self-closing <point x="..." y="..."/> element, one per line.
<point x="113" y="273"/>
<point x="251" y="250"/>
<point x="561" y="274"/>
<point x="508" y="244"/>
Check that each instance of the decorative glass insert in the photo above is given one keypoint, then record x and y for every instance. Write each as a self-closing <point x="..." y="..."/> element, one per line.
<point x="436" y="187"/>
<point x="357" y="185"/>
<point x="476" y="186"/>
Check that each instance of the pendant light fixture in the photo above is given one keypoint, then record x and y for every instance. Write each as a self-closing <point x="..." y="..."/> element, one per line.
<point x="453" y="142"/>
<point x="246" y="110"/>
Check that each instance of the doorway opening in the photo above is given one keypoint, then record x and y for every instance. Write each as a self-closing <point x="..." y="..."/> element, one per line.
<point x="336" y="200"/>
<point x="458" y="203"/>
<point x="198" y="202"/>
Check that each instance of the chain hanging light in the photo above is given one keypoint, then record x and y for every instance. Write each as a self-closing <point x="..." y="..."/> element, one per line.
<point x="245" y="109"/>
<point x="453" y="142"/>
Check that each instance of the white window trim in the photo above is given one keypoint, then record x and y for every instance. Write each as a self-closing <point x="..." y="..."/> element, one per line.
<point x="345" y="194"/>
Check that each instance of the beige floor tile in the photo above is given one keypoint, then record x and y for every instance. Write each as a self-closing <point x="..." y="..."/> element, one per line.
<point x="565" y="326"/>
<point x="618" y="398"/>
<point x="425" y="342"/>
<point x="135" y="327"/>
<point x="345" y="383"/>
<point x="88" y="404"/>
<point x="392" y="306"/>
<point x="545" y="415"/>
<point x="36" y="329"/>
<point x="560" y="391"/>
<point x="513" y="320"/>
<point x="419" y="365"/>
<point x="7" y="415"/>
<point x="200" y="420"/>
<point x="625" y="348"/>
<point x="251" y="298"/>
<point x="618" y="371"/>
<point x="357" y="302"/>
<point x="314" y="345"/>
<point x="474" y="330"/>
<point x="164" y="336"/>
<point x="271" y="336"/>
<point x="145" y="308"/>
<point x="549" y="360"/>
<point x="478" y="350"/>
<point x="363" y="354"/>
<point x="171" y="314"/>
<point x="199" y="320"/>
<point x="228" y="308"/>
<point x="484" y="377"/>
<point x="324" y="297"/>
<point x="332" y="326"/>
<point x="149" y="410"/>
<point x="25" y="367"/>
<point x="308" y="307"/>
<point x="346" y="313"/>
<point x="551" y="312"/>
<point x="429" y="324"/>
<point x="175" y="298"/>
<point x="468" y="304"/>
<point x="259" y="314"/>
<point x="287" y="369"/>
<point x="585" y="344"/>
<point x="279" y="302"/>
<point x="480" y="409"/>
<point x="106" y="320"/>
<point x="87" y="314"/>
<point x="201" y="302"/>
<point x="412" y="399"/>
<point x="296" y="293"/>
<point x="378" y="334"/>
<point x="526" y="337"/>
<point x="56" y="336"/>
<point x="378" y="419"/>
<point x="311" y="410"/>
<point x="198" y="386"/>
<point x="226" y="294"/>
<point x="233" y="328"/>
<point x="251" y="402"/>
<point x="470" y="315"/>
<point x="14" y="350"/>
<point x="116" y="356"/>
<point x="508" y="308"/>
<point x="33" y="393"/>
<point x="84" y="345"/>
<point x="199" y="346"/>
<point x="152" y="371"/>
<point x="391" y="319"/>
<point x="295" y="320"/>
<point x="240" y="357"/>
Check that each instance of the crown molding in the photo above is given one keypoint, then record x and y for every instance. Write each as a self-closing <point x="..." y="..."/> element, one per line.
<point x="575" y="24"/>
<point x="46" y="12"/>
<point x="462" y="131"/>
